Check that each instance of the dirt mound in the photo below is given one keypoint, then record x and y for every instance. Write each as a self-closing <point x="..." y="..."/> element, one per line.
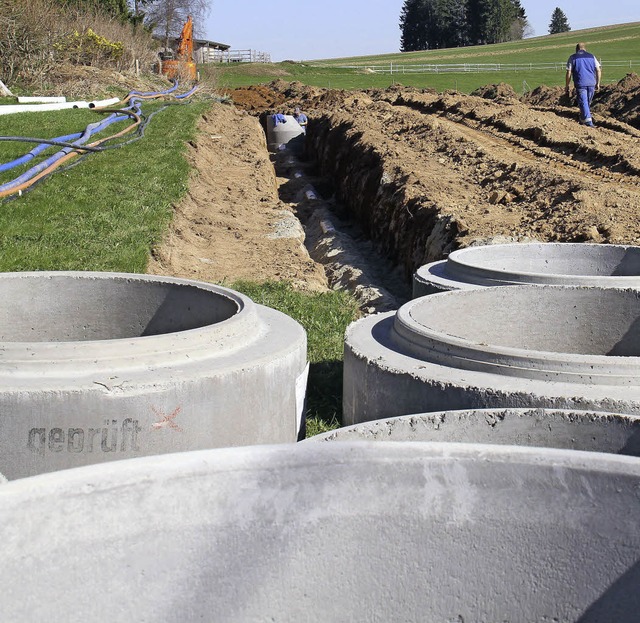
<point x="496" y="91"/>
<point x="621" y="100"/>
<point x="421" y="173"/>
<point x="258" y="97"/>
<point x="546" y="96"/>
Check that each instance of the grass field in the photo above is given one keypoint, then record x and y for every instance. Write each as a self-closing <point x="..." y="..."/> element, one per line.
<point x="611" y="44"/>
<point x="107" y="212"/>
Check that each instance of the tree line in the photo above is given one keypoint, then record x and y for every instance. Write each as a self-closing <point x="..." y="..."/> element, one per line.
<point x="435" y="24"/>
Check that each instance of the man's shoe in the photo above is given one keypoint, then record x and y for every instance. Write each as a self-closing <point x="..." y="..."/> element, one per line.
<point x="589" y="124"/>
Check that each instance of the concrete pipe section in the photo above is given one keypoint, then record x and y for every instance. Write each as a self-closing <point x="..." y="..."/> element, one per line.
<point x="327" y="532"/>
<point x="604" y="265"/>
<point x="289" y="135"/>
<point x="104" y="366"/>
<point x="523" y="346"/>
<point x="548" y="428"/>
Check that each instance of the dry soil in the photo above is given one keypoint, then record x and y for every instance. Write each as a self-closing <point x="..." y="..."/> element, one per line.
<point x="423" y="174"/>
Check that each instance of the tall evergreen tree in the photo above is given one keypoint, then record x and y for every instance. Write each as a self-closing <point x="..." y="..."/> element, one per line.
<point x="559" y="22"/>
<point x="477" y="14"/>
<point x="412" y="36"/>
<point x="431" y="24"/>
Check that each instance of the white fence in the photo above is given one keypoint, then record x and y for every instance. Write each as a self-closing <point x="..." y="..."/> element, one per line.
<point x="238" y="56"/>
<point x="395" y="68"/>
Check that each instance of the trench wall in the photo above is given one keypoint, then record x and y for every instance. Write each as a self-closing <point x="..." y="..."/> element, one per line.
<point x="380" y="194"/>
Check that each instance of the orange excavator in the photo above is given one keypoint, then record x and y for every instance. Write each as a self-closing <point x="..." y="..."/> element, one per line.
<point x="182" y="66"/>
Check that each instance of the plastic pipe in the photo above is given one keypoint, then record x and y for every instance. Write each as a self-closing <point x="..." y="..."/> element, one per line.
<point x="17" y="108"/>
<point x="46" y="167"/>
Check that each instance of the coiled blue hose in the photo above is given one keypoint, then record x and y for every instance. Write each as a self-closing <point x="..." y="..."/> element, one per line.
<point x="90" y="130"/>
<point x="80" y="138"/>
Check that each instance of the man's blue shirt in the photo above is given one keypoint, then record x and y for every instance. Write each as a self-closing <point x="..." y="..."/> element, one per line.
<point x="583" y="66"/>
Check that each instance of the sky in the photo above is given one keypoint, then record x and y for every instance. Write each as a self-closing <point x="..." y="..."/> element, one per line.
<point x="306" y="30"/>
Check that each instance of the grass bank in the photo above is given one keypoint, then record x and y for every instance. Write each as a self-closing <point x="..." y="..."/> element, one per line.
<point x="107" y="212"/>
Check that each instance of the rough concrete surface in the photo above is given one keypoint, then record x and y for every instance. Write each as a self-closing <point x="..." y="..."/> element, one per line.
<point x="612" y="266"/>
<point x="523" y="346"/>
<point x="327" y="532"/>
<point x="548" y="428"/>
<point x="105" y="366"/>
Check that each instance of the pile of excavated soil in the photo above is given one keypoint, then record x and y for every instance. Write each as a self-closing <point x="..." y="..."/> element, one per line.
<point x="421" y="173"/>
<point x="257" y="97"/>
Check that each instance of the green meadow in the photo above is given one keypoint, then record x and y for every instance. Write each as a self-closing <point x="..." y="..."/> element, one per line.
<point x="617" y="47"/>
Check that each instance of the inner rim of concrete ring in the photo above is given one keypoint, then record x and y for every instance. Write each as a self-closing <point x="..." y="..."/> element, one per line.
<point x="558" y="333"/>
<point x="62" y="314"/>
<point x="559" y="263"/>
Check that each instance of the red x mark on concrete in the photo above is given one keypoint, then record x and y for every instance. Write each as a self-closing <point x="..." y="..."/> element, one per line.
<point x="166" y="421"/>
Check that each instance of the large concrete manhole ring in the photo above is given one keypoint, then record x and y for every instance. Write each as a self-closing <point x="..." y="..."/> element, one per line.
<point x="523" y="346"/>
<point x="327" y="532"/>
<point x="603" y="265"/>
<point x="548" y="428"/>
<point x="103" y="366"/>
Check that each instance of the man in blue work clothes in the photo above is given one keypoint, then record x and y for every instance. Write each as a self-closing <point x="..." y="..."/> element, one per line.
<point x="586" y="72"/>
<point x="301" y="118"/>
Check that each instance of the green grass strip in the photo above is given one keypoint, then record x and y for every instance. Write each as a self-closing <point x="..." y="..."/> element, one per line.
<point x="107" y="212"/>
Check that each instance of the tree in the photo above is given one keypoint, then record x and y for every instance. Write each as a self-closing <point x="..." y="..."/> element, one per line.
<point x="413" y="33"/>
<point x="167" y="17"/>
<point x="559" y="22"/>
<point x="432" y="24"/>
<point x="477" y="13"/>
<point x="506" y="21"/>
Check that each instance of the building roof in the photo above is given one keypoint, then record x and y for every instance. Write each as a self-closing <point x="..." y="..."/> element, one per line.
<point x="212" y="44"/>
<point x="200" y="42"/>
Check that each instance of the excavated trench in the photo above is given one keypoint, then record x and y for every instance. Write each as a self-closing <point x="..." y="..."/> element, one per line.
<point x="415" y="175"/>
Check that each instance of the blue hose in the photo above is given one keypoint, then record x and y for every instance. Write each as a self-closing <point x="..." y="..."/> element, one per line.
<point x="80" y="139"/>
<point x="187" y="94"/>
<point x="89" y="131"/>
<point x="36" y="151"/>
<point x="151" y="93"/>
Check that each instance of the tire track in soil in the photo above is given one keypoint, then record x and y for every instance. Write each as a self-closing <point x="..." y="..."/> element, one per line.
<point x="585" y="175"/>
<point x="619" y="162"/>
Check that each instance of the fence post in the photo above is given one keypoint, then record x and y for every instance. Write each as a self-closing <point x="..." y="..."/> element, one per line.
<point x="391" y="67"/>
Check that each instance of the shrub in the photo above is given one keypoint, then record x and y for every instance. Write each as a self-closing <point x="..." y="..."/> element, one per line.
<point x="38" y="36"/>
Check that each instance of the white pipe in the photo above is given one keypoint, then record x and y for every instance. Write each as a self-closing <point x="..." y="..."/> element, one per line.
<point x="16" y="108"/>
<point x="41" y="100"/>
<point x="104" y="103"/>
